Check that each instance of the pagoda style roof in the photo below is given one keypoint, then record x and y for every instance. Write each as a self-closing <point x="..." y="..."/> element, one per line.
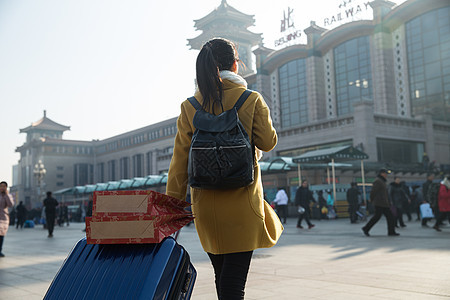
<point x="227" y="22"/>
<point x="45" y="124"/>
<point x="225" y="12"/>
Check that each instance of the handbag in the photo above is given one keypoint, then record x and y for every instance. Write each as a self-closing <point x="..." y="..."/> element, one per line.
<point x="301" y="210"/>
<point x="425" y="211"/>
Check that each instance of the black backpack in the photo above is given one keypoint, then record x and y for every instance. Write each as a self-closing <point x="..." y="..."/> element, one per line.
<point x="221" y="155"/>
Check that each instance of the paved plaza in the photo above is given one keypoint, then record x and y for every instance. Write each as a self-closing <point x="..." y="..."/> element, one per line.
<point x="334" y="260"/>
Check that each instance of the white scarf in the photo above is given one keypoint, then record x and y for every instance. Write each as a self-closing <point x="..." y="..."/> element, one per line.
<point x="446" y="182"/>
<point x="233" y="77"/>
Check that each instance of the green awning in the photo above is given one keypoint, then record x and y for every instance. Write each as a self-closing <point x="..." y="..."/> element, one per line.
<point x="79" y="189"/>
<point x="66" y="191"/>
<point x="90" y="188"/>
<point x="139" y="182"/>
<point x="125" y="184"/>
<point x="343" y="153"/>
<point x="101" y="186"/>
<point x="277" y="164"/>
<point x="113" y="185"/>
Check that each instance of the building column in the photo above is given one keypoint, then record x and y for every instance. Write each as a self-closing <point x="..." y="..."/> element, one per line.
<point x="430" y="143"/>
<point x="382" y="61"/>
<point x="365" y="128"/>
<point x="315" y="88"/>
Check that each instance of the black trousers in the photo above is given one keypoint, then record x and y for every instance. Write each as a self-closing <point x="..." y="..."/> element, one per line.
<point x="352" y="209"/>
<point x="441" y="217"/>
<point x="50" y="218"/>
<point x="282" y="211"/>
<point x="231" y="274"/>
<point x="1" y="242"/>
<point x="386" y="211"/>
<point x="20" y="222"/>
<point x="399" y="217"/>
<point x="305" y="216"/>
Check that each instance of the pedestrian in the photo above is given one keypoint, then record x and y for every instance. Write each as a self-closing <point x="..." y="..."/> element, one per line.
<point x="330" y="205"/>
<point x="6" y="201"/>
<point x="398" y="198"/>
<point x="89" y="210"/>
<point x="21" y="213"/>
<point x="380" y="199"/>
<point x="407" y="202"/>
<point x="416" y="200"/>
<point x="230" y="223"/>
<point x="281" y="201"/>
<point x="66" y="214"/>
<point x="60" y="220"/>
<point x="426" y="185"/>
<point x="303" y="198"/>
<point x="322" y="205"/>
<point x="443" y="202"/>
<point x="433" y="198"/>
<point x="426" y="195"/>
<point x="353" y="202"/>
<point x="50" y="205"/>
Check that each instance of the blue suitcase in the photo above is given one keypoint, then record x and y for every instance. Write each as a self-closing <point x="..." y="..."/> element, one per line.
<point x="125" y="271"/>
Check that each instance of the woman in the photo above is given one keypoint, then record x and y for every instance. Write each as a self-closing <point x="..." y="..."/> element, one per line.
<point x="230" y="223"/>
<point x="330" y="206"/>
<point x="6" y="201"/>
<point x="443" y="202"/>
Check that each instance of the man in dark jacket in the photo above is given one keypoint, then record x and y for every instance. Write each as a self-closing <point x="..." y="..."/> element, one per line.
<point x="353" y="201"/>
<point x="303" y="197"/>
<point x="426" y="185"/>
<point x="21" y="213"/>
<point x="398" y="197"/>
<point x="50" y="205"/>
<point x="380" y="200"/>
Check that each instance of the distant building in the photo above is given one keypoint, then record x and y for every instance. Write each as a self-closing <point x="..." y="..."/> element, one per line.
<point x="71" y="163"/>
<point x="381" y="85"/>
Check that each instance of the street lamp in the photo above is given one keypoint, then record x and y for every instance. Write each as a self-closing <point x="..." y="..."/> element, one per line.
<point x="39" y="173"/>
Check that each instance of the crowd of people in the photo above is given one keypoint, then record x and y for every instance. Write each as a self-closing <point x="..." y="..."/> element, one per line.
<point x="396" y="200"/>
<point x="38" y="215"/>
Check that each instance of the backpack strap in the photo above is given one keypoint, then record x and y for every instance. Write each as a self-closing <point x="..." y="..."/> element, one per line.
<point x="242" y="99"/>
<point x="238" y="104"/>
<point x="195" y="103"/>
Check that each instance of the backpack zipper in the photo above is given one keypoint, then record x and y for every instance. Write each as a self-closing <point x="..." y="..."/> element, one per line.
<point x="227" y="147"/>
<point x="204" y="148"/>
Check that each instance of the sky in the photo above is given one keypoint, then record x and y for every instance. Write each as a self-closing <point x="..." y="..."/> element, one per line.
<point x="105" y="67"/>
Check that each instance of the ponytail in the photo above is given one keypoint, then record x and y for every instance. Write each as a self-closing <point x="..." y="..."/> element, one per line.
<point x="208" y="78"/>
<point x="216" y="55"/>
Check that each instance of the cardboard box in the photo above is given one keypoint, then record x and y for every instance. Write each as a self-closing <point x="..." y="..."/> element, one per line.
<point x="132" y="229"/>
<point x="115" y="203"/>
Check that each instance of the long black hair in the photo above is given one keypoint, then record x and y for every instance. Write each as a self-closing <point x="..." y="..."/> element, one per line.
<point x="216" y="55"/>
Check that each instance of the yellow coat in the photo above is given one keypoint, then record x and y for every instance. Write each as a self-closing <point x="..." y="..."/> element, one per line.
<point x="228" y="221"/>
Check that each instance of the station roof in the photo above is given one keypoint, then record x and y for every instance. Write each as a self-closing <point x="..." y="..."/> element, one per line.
<point x="124" y="184"/>
<point x="45" y="124"/>
<point x="342" y="153"/>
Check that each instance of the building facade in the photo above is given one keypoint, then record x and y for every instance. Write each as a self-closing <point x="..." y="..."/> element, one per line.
<point x="381" y="85"/>
<point x="70" y="163"/>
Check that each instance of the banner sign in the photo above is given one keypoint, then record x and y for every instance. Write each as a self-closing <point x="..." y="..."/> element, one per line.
<point x="348" y="10"/>
<point x="288" y="29"/>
